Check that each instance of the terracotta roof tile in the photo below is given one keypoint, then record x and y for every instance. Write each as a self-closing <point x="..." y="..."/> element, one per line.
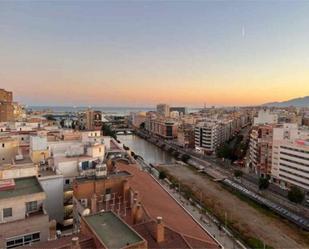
<point x="158" y="202"/>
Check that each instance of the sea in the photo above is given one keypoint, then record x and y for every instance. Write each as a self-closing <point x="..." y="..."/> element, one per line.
<point x="121" y="111"/>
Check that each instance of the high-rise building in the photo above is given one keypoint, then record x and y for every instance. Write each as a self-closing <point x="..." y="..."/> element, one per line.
<point x="180" y="110"/>
<point x="163" y="110"/>
<point x="90" y="120"/>
<point x="290" y="156"/>
<point x="6" y="106"/>
<point x="206" y="136"/>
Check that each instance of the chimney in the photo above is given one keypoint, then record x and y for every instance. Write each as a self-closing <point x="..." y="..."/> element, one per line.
<point x="138" y="214"/>
<point x="75" y="243"/>
<point x="52" y="230"/>
<point x="159" y="230"/>
<point x="94" y="204"/>
<point x="133" y="209"/>
<point x="136" y="195"/>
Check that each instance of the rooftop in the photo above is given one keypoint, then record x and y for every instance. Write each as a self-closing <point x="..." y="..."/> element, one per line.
<point x="112" y="231"/>
<point x="23" y="186"/>
<point x="110" y="175"/>
<point x="173" y="214"/>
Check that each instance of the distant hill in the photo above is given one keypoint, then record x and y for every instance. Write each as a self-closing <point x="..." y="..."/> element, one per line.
<point x="297" y="102"/>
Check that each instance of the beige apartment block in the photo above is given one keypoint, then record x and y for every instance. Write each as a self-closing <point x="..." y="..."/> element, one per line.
<point x="23" y="219"/>
<point x="8" y="149"/>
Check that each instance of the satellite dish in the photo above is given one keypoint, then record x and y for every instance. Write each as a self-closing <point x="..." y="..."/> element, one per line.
<point x="86" y="212"/>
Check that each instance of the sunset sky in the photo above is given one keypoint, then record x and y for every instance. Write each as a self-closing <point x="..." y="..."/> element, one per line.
<point x="140" y="53"/>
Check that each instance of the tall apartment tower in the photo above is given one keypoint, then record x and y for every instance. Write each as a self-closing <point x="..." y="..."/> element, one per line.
<point x="206" y="136"/>
<point x="163" y="110"/>
<point x="6" y="106"/>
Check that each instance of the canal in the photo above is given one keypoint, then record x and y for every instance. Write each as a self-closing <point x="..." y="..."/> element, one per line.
<point x="150" y="153"/>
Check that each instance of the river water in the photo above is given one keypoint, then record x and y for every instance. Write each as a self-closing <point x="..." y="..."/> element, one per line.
<point x="150" y="153"/>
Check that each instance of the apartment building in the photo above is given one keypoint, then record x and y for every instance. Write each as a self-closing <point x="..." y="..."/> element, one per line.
<point x="185" y="136"/>
<point x="207" y="136"/>
<point x="163" y="110"/>
<point x="8" y="149"/>
<point x="90" y="120"/>
<point x="137" y="119"/>
<point x="6" y="106"/>
<point x="162" y="127"/>
<point x="181" y="110"/>
<point x="73" y="158"/>
<point x="23" y="219"/>
<point x="290" y="156"/>
<point x="265" y="116"/>
<point x="260" y="150"/>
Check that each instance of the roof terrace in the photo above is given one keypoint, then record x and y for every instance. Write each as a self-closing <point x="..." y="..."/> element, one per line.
<point x="112" y="231"/>
<point x="23" y="186"/>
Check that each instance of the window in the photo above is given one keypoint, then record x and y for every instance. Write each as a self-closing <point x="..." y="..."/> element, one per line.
<point x="67" y="181"/>
<point x="31" y="206"/>
<point x="7" y="212"/>
<point x="2" y="145"/>
<point x="22" y="240"/>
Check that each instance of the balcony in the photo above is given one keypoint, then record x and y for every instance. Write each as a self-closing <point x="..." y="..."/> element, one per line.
<point x="36" y="212"/>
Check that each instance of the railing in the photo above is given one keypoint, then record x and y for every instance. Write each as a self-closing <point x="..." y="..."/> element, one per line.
<point x="39" y="211"/>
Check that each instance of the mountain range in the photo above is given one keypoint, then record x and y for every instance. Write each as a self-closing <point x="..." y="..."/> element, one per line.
<point x="297" y="102"/>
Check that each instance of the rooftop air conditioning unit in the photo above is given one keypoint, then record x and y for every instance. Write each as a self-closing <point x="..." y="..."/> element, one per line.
<point x="19" y="157"/>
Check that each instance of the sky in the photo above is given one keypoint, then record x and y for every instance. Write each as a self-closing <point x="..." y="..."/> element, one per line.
<point x="139" y="53"/>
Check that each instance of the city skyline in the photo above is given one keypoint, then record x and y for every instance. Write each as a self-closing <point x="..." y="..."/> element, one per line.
<point x="143" y="53"/>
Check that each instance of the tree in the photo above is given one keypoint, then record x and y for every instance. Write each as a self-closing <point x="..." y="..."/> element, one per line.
<point x="73" y="125"/>
<point x="162" y="175"/>
<point x="62" y="123"/>
<point x="126" y="147"/>
<point x="142" y="125"/>
<point x="185" y="158"/>
<point x="50" y="117"/>
<point x="224" y="151"/>
<point x="263" y="183"/>
<point x="107" y="131"/>
<point x="296" y="194"/>
<point x="238" y="173"/>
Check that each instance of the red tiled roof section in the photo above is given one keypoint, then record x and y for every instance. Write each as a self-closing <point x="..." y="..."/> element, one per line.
<point x="159" y="203"/>
<point x="172" y="239"/>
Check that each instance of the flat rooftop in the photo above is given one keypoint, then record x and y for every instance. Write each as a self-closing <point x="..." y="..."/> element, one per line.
<point x="23" y="186"/>
<point x="112" y="231"/>
<point x="109" y="176"/>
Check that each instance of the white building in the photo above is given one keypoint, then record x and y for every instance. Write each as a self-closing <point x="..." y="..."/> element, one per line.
<point x="290" y="156"/>
<point x="265" y="117"/>
<point x="206" y="136"/>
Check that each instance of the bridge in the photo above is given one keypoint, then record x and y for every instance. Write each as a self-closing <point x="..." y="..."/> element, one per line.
<point x="124" y="131"/>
